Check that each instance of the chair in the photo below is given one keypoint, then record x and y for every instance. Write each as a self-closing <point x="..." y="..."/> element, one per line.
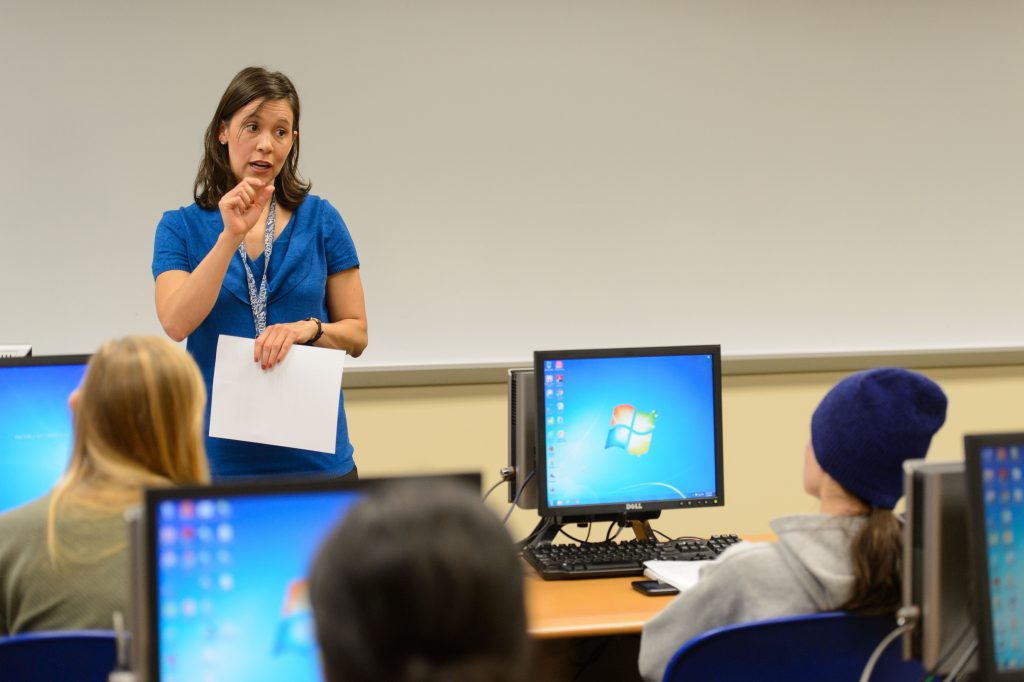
<point x="61" y="656"/>
<point x="832" y="646"/>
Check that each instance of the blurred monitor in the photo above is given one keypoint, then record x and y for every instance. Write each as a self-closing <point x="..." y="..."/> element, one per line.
<point x="219" y="577"/>
<point x="35" y="423"/>
<point x="16" y="351"/>
<point x="995" y="477"/>
<point x="935" y="574"/>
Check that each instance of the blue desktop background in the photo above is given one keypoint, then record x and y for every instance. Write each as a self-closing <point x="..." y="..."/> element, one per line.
<point x="1003" y="490"/>
<point x="680" y="463"/>
<point x="35" y="429"/>
<point x="223" y="582"/>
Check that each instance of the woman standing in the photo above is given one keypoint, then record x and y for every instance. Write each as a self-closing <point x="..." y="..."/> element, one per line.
<point x="258" y="255"/>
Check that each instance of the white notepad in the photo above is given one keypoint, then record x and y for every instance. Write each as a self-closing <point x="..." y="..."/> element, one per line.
<point x="681" y="575"/>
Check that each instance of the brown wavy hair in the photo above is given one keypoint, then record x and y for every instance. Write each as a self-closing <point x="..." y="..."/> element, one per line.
<point x="877" y="554"/>
<point x="214" y="178"/>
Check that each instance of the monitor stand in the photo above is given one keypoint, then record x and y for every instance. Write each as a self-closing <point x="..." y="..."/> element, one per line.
<point x="639" y="522"/>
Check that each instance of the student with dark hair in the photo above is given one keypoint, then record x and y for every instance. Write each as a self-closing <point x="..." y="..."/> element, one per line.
<point x="138" y="420"/>
<point x="420" y="583"/>
<point x="258" y="256"/>
<point x="847" y="557"/>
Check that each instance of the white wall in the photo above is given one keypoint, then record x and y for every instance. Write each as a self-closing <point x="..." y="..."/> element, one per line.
<point x="777" y="177"/>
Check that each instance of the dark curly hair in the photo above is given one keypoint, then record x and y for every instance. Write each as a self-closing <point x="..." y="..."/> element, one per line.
<point x="214" y="178"/>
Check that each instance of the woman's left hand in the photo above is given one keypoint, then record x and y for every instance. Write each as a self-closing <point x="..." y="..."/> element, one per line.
<point x="274" y="343"/>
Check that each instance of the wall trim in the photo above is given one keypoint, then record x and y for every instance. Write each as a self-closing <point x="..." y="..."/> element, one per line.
<point x="497" y="373"/>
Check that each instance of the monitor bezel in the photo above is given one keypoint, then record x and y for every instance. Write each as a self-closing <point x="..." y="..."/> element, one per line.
<point x="146" y="655"/>
<point x="45" y="360"/>
<point x="620" y="510"/>
<point x="973" y="445"/>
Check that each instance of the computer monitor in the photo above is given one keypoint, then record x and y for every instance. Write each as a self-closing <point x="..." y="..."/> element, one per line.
<point x="624" y="433"/>
<point x="219" y="577"/>
<point x="995" y="494"/>
<point x="35" y="423"/>
<point x="935" y="574"/>
<point x="522" y="438"/>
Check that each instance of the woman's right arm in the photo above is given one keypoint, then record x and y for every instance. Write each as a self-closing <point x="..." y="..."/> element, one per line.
<point x="184" y="299"/>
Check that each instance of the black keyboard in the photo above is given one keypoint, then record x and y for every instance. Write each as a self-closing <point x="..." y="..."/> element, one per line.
<point x="615" y="559"/>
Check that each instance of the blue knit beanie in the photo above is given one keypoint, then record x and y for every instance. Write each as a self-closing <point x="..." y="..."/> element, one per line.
<point x="869" y="423"/>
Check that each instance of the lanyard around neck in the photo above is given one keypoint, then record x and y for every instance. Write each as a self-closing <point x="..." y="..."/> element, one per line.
<point x="258" y="299"/>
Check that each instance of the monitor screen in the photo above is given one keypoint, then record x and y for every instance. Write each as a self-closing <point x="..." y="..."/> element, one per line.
<point x="225" y="590"/>
<point x="627" y="431"/>
<point x="995" y="468"/>
<point x="35" y="423"/>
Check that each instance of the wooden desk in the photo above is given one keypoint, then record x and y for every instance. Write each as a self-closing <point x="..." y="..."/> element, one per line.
<point x="587" y="608"/>
<point x="592" y="606"/>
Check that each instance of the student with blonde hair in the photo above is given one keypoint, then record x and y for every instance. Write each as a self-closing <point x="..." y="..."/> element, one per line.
<point x="138" y="422"/>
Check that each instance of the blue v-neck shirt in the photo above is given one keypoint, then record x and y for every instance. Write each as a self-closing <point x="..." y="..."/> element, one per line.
<point x="314" y="245"/>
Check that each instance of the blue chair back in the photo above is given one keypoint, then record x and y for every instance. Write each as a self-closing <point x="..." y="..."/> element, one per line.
<point x="832" y="646"/>
<point x="62" y="656"/>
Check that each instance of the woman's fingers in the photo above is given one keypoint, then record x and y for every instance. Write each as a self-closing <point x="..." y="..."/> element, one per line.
<point x="242" y="205"/>
<point x="273" y="344"/>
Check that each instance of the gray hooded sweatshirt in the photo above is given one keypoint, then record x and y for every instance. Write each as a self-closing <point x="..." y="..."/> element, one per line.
<point x="807" y="570"/>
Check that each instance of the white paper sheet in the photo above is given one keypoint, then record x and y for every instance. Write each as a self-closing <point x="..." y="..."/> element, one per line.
<point x="295" y="404"/>
<point x="681" y="575"/>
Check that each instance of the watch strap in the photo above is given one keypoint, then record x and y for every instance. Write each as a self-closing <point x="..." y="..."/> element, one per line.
<point x="319" y="330"/>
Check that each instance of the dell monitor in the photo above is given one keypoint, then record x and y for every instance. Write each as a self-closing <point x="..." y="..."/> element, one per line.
<point x="35" y="423"/>
<point x="622" y="434"/>
<point x="219" y="577"/>
<point x="995" y="477"/>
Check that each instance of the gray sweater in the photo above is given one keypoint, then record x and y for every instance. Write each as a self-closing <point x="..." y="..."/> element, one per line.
<point x="806" y="571"/>
<point x="82" y="592"/>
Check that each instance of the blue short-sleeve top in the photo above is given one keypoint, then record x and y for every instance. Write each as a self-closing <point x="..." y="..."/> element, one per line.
<point x="313" y="245"/>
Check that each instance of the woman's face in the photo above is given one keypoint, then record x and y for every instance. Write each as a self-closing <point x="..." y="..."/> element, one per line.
<point x="259" y="138"/>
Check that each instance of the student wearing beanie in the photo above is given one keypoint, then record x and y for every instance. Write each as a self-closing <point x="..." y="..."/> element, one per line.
<point x="846" y="557"/>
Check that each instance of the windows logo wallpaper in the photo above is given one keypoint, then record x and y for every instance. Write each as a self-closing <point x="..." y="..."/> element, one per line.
<point x="631" y="430"/>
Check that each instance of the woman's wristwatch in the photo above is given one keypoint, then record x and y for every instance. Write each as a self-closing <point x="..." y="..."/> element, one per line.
<point x="319" y="330"/>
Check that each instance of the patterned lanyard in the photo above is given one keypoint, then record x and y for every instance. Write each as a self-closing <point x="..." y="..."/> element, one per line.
<point x="259" y="300"/>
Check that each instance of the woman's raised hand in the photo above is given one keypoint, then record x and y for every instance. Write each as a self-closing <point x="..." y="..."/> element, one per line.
<point x="242" y="206"/>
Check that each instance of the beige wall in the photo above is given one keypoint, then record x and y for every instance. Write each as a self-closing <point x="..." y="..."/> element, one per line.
<point x="455" y="428"/>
